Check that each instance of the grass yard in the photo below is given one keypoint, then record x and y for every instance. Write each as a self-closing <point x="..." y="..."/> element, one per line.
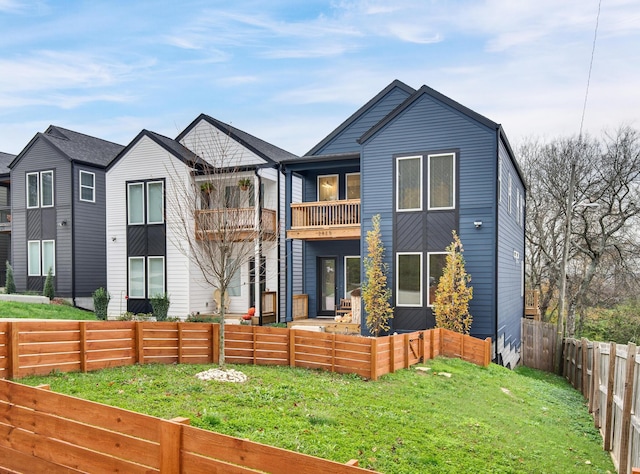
<point x="480" y="420"/>
<point x="10" y="309"/>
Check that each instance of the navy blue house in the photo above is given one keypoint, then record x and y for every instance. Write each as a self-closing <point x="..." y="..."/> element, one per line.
<point x="428" y="165"/>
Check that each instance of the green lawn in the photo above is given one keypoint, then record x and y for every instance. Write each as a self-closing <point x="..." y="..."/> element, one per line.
<point x="10" y="309"/>
<point x="480" y="420"/>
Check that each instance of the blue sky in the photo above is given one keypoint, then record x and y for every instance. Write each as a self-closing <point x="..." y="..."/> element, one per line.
<point x="289" y="72"/>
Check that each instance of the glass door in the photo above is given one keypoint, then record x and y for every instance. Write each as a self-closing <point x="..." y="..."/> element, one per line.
<point x="326" y="286"/>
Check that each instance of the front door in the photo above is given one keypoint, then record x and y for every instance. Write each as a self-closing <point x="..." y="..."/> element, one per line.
<point x="326" y="286"/>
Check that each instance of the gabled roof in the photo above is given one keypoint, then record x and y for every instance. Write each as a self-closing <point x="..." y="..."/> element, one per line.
<point x="360" y="112"/>
<point x="76" y="147"/>
<point x="265" y="150"/>
<point x="426" y="90"/>
<point x="172" y="146"/>
<point x="5" y="161"/>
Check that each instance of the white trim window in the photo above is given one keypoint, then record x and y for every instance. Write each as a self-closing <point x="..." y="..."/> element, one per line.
<point x="39" y="188"/>
<point x="442" y="181"/>
<point x="136" y="277"/>
<point x="352" y="274"/>
<point x="436" y="261"/>
<point x="499" y="179"/>
<point x="135" y="203"/>
<point x="33" y="258"/>
<point x="155" y="202"/>
<point x="409" y="183"/>
<point x="41" y="256"/>
<point x="409" y="279"/>
<point x="87" y="186"/>
<point x="328" y="187"/>
<point x="155" y="276"/>
<point x="353" y="185"/>
<point x="509" y="197"/>
<point x="235" y="282"/>
<point x="146" y="277"/>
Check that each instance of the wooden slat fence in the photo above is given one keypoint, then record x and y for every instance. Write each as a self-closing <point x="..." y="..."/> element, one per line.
<point x="538" y="344"/>
<point x="38" y="347"/>
<point x="607" y="375"/>
<point x="42" y="431"/>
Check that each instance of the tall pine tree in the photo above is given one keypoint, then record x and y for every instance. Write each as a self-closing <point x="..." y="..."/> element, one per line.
<point x="375" y="292"/>
<point x="451" y="307"/>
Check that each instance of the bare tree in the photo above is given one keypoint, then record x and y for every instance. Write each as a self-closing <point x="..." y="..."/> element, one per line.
<point x="216" y="216"/>
<point x="603" y="213"/>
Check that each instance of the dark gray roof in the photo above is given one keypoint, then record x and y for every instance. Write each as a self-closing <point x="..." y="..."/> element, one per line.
<point x="5" y="159"/>
<point x="80" y="147"/>
<point x="172" y="146"/>
<point x="261" y="148"/>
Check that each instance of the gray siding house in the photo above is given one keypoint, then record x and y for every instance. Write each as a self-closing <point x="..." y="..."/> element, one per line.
<point x="428" y="165"/>
<point x="58" y="213"/>
<point x="5" y="213"/>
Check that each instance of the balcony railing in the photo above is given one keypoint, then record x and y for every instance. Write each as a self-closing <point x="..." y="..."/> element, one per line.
<point x="235" y="224"/>
<point x="5" y="219"/>
<point x="325" y="220"/>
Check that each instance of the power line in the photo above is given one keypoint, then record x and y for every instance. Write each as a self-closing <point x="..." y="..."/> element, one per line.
<point x="593" y="50"/>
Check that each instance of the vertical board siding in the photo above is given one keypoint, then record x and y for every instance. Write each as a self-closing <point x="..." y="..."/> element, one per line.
<point x="346" y="141"/>
<point x="429" y="126"/>
<point x="510" y="239"/>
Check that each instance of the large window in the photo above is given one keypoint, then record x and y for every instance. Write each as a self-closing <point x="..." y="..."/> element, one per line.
<point x="41" y="257"/>
<point x="40" y="189"/>
<point x="436" y="261"/>
<point x="353" y="186"/>
<point x="235" y="282"/>
<point x="409" y="183"/>
<point x="351" y="274"/>
<point x="328" y="188"/>
<point x="87" y="186"/>
<point x="442" y="181"/>
<point x="145" y="207"/>
<point x="146" y="277"/>
<point x="409" y="279"/>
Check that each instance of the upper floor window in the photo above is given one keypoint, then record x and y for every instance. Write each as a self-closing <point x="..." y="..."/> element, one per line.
<point x="87" y="186"/>
<point x="509" y="197"/>
<point x="40" y="189"/>
<point x="328" y="188"/>
<point x="442" y="181"/>
<point x="353" y="186"/>
<point x="409" y="183"/>
<point x="145" y="202"/>
<point x="409" y="279"/>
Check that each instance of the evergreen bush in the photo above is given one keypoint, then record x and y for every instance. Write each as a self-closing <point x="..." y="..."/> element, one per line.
<point x="10" y="284"/>
<point x="49" y="290"/>
<point x="160" y="304"/>
<point x="101" y="298"/>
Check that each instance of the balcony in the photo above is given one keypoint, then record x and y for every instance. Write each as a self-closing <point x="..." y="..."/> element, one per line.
<point x="5" y="219"/>
<point x="235" y="225"/>
<point x="325" y="220"/>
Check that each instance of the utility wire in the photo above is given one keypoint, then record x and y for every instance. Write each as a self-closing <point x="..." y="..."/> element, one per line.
<point x="593" y="50"/>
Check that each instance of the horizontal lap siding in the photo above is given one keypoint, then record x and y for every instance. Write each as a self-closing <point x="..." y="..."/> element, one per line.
<point x="297" y="245"/>
<point x="429" y="126"/>
<point x="346" y="141"/>
<point x="42" y="157"/>
<point x="510" y="239"/>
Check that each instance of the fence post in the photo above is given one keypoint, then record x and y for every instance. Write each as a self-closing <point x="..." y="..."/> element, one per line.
<point x="254" y="347"/>
<point x="170" y="447"/>
<point x="13" y="349"/>
<point x="215" y="343"/>
<point x="292" y="347"/>
<point x="179" y="325"/>
<point x="407" y="348"/>
<point x="139" y="330"/>
<point x="626" y="409"/>
<point x="609" y="406"/>
<point x="594" y="388"/>
<point x="585" y="368"/>
<point x="83" y="346"/>
<point x="487" y="352"/>
<point x="392" y="354"/>
<point x="374" y="358"/>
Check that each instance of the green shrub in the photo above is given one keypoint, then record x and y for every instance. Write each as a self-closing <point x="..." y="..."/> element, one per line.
<point x="202" y="318"/>
<point x="10" y="284"/>
<point x="49" y="291"/>
<point x="101" y="298"/>
<point x="129" y="316"/>
<point x="160" y="305"/>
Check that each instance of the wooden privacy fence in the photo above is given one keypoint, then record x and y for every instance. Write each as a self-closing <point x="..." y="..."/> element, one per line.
<point x="538" y="344"/>
<point x="38" y="347"/>
<point x="42" y="431"/>
<point x="607" y="375"/>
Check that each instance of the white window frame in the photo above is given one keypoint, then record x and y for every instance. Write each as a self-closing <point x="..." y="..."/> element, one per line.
<point x="346" y="184"/>
<point x="33" y="259"/>
<point x="509" y="198"/>
<point x="84" y="186"/>
<point x="499" y="179"/>
<point x="129" y="186"/>
<point x="144" y="278"/>
<point x="337" y="177"/>
<point x="429" y="254"/>
<point x="37" y="175"/>
<point x="346" y="257"/>
<point x="405" y="305"/>
<point x="453" y="182"/>
<point x="148" y="202"/>
<point x="148" y="276"/>
<point x="398" y="160"/>
<point x="235" y="281"/>
<point x="53" y="257"/>
<point x="42" y="173"/>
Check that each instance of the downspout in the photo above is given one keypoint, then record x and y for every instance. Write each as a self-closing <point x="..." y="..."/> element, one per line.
<point x="278" y="242"/>
<point x="495" y="243"/>
<point x="73" y="234"/>
<point x="257" y="267"/>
